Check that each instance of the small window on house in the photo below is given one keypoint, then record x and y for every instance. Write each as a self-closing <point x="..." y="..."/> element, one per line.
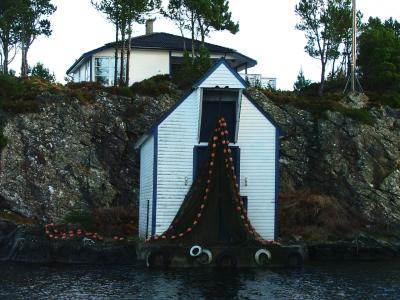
<point x="216" y="104"/>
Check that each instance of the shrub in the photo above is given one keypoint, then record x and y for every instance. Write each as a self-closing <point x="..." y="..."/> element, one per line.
<point x="316" y="217"/>
<point x="120" y="91"/>
<point x="154" y="86"/>
<point x="117" y="221"/>
<point x="361" y="115"/>
<point x="391" y="99"/>
<point x="40" y="71"/>
<point x="82" y="217"/>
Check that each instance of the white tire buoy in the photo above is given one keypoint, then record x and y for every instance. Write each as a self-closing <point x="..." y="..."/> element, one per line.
<point x="259" y="254"/>
<point x="195" y="251"/>
<point x="206" y="257"/>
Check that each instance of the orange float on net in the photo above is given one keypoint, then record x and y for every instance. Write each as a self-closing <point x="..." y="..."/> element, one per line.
<point x="195" y="222"/>
<point x="215" y="138"/>
<point x="163" y="237"/>
<point x="189" y="229"/>
<point x="173" y="237"/>
<point x="181" y="234"/>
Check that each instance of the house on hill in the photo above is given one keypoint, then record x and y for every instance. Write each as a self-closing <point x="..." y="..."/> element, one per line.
<point x="174" y="149"/>
<point x="152" y="54"/>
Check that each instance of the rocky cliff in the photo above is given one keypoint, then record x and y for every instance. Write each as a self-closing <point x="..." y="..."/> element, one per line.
<point x="74" y="155"/>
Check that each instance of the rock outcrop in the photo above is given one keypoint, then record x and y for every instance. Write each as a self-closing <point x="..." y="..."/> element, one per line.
<point x="341" y="157"/>
<point x="74" y="155"/>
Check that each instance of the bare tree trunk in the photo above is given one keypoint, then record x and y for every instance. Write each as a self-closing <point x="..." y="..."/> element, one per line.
<point x="202" y="31"/>
<point x="333" y="69"/>
<point x="322" y="85"/>
<point x="192" y="21"/>
<point x="5" y="59"/>
<point x="121" y="71"/>
<point x="128" y="54"/>
<point x="24" y="60"/>
<point x="116" y="54"/>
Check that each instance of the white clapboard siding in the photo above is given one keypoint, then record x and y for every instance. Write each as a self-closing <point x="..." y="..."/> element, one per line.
<point x="177" y="135"/>
<point x="146" y="186"/>
<point x="256" y="140"/>
<point x="222" y="77"/>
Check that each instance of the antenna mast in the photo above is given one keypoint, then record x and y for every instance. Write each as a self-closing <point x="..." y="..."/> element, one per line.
<point x="354" y="49"/>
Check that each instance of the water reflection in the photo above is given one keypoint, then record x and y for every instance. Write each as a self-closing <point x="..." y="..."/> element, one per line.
<point x="332" y="281"/>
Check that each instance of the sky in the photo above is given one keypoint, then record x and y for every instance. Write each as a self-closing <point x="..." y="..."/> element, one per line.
<point x="267" y="34"/>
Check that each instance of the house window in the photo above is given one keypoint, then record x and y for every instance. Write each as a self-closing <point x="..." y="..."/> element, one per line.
<point x="216" y="104"/>
<point x="104" y="70"/>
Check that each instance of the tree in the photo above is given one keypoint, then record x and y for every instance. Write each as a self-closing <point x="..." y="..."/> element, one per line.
<point x="379" y="57"/>
<point x="123" y="13"/>
<point x="33" y="23"/>
<point x="301" y="81"/>
<point x="214" y="14"/>
<point x="325" y="24"/>
<point x="200" y="17"/>
<point x="40" y="71"/>
<point x="9" y="28"/>
<point x="133" y="11"/>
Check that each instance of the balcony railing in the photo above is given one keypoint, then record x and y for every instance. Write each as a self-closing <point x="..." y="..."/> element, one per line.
<point x="257" y="80"/>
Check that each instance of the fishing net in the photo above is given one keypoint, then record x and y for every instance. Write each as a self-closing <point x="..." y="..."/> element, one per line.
<point x="213" y="211"/>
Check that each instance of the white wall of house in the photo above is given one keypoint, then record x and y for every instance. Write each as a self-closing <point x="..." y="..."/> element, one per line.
<point x="177" y="135"/>
<point x="145" y="64"/>
<point x="146" y="187"/>
<point x="256" y="140"/>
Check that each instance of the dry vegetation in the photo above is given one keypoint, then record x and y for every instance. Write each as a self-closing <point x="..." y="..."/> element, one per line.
<point x="310" y="216"/>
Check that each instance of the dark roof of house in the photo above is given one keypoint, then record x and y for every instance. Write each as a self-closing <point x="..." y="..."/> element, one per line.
<point x="166" y="41"/>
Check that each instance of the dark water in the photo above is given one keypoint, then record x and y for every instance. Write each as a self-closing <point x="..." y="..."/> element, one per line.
<point x="331" y="281"/>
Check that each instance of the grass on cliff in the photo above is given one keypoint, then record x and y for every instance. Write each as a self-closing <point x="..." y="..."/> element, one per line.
<point x="319" y="106"/>
<point x="15" y="218"/>
<point x="113" y="221"/>
<point x="315" y="217"/>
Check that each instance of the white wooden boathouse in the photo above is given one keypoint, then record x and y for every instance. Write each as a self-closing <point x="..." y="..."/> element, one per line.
<point x="173" y="149"/>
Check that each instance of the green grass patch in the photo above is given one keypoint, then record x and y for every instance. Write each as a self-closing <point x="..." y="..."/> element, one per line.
<point x="361" y="115"/>
<point x="84" y="218"/>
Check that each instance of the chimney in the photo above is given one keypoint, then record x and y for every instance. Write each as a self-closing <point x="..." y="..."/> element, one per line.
<point x="149" y="26"/>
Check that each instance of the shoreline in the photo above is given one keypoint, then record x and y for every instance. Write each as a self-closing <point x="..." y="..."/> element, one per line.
<point x="29" y="244"/>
